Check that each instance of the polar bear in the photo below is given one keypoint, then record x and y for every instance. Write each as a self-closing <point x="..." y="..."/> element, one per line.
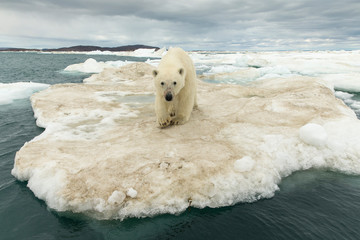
<point x="175" y="84"/>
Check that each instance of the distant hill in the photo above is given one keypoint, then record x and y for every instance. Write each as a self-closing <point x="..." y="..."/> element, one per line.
<point x="82" y="48"/>
<point x="18" y="49"/>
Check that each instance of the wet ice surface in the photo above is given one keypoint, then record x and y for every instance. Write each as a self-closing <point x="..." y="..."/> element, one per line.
<point x="13" y="91"/>
<point x="103" y="155"/>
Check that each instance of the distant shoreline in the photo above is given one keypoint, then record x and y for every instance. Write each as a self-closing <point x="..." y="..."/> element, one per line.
<point x="82" y="48"/>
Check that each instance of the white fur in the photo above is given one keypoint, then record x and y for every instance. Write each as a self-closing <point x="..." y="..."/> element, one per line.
<point x="175" y="76"/>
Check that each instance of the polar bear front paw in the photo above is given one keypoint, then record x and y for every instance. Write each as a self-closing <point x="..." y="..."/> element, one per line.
<point x="164" y="122"/>
<point x="174" y="122"/>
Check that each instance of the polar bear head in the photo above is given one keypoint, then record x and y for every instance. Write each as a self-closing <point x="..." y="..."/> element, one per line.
<point x="168" y="83"/>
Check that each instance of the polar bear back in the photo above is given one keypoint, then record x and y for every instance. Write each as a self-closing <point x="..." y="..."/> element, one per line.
<point x="178" y="58"/>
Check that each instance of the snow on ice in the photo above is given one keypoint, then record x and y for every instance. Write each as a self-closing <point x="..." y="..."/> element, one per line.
<point x="103" y="155"/>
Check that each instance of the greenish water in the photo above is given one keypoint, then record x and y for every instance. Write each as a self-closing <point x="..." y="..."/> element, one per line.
<point x="46" y="68"/>
<point x="311" y="204"/>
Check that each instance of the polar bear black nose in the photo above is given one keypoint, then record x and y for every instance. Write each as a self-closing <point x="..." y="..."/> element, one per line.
<point x="168" y="96"/>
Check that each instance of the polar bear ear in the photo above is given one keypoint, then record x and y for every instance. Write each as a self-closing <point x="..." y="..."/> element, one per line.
<point x="155" y="73"/>
<point x="181" y="71"/>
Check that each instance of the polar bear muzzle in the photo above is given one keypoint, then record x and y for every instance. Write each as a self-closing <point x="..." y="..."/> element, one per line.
<point x="168" y="96"/>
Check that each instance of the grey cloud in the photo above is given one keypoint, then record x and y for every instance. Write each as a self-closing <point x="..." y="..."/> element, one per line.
<point x="198" y="24"/>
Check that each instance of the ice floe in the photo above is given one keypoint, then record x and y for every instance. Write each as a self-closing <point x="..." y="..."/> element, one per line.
<point x="93" y="66"/>
<point x="12" y="91"/>
<point x="103" y="155"/>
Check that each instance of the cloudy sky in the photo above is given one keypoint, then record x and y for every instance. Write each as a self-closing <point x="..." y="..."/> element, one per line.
<point x="191" y="24"/>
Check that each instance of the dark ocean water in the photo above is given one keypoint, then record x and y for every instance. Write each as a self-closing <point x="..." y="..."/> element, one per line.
<point x="311" y="204"/>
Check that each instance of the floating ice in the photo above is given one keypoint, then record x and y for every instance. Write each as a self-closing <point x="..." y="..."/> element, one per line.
<point x="98" y="52"/>
<point x="344" y="81"/>
<point x="348" y="99"/>
<point x="12" y="91"/>
<point x="223" y="69"/>
<point x="89" y="66"/>
<point x="92" y="66"/>
<point x="153" y="53"/>
<point x="249" y="61"/>
<point x="343" y="95"/>
<point x="339" y="69"/>
<point x="103" y="155"/>
<point x="144" y="52"/>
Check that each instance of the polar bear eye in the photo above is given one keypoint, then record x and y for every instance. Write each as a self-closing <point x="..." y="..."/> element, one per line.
<point x="162" y="83"/>
<point x="174" y="83"/>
